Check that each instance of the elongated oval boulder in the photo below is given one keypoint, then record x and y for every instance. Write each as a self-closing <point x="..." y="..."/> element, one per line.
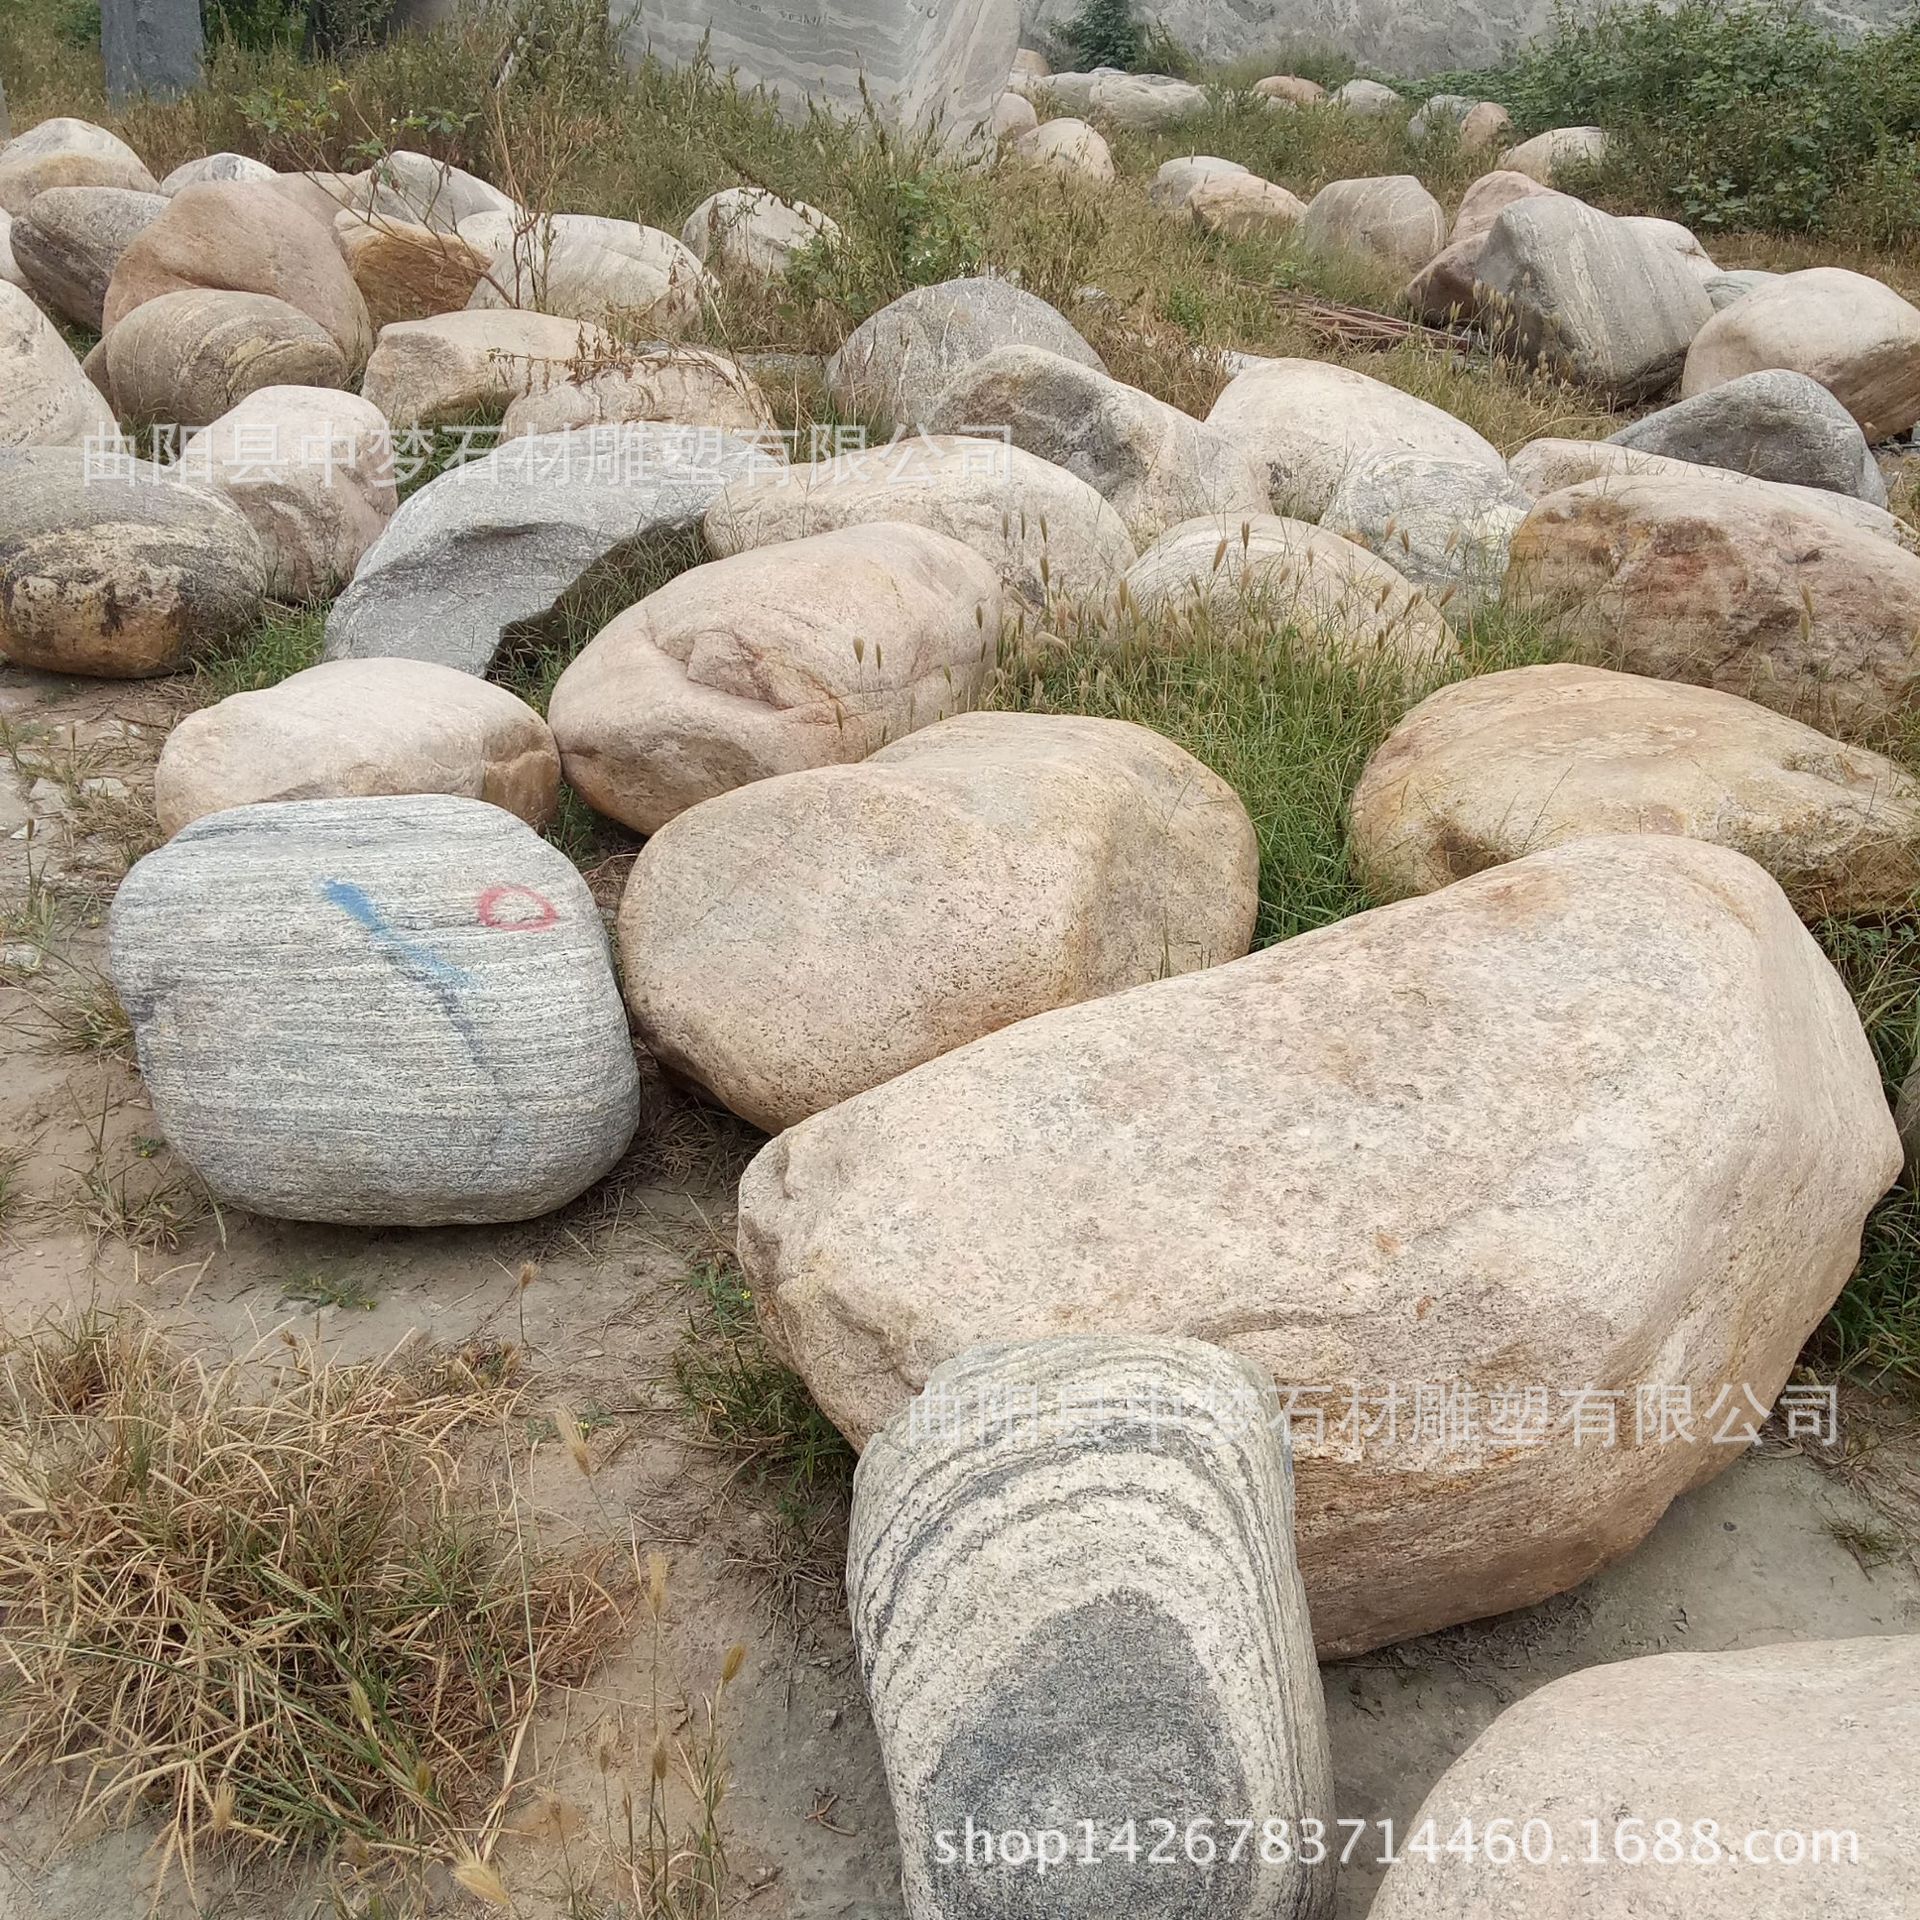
<point x="380" y="1012"/>
<point x="46" y="400"/>
<point x="1146" y="102"/>
<point x="1307" y="421"/>
<point x="587" y="267"/>
<point x="1730" y="583"/>
<point x="69" y="241"/>
<point x="67" y="153"/>
<point x="1155" y="465"/>
<point x="1391" y="222"/>
<point x="807" y="654"/>
<point x="349" y="728"/>
<point x="982" y="870"/>
<point x="1853" y="334"/>
<point x="1641" y="1779"/>
<point x="1244" y="207"/>
<point x="898" y="362"/>
<point x="1086" y="1614"/>
<point x="115" y="568"/>
<point x="420" y="190"/>
<point x="678" y="385"/>
<point x="1559" y="153"/>
<point x="1177" y="178"/>
<point x="1048" y="533"/>
<point x="1491" y="769"/>
<point x="1601" y="1118"/>
<point x="424" y="373"/>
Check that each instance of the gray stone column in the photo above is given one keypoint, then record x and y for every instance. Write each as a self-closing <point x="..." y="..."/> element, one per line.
<point x="6" y="125"/>
<point x="151" y="47"/>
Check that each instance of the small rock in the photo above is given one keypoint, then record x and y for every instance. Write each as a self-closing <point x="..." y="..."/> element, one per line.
<point x="1287" y="90"/>
<point x="420" y="190"/>
<point x="675" y="384"/>
<point x="1013" y="115"/>
<point x="1177" y="179"/>
<point x="1723" y="289"/>
<point x="1146" y="102"/>
<point x="216" y="166"/>
<point x="1367" y="99"/>
<point x="1244" y="207"/>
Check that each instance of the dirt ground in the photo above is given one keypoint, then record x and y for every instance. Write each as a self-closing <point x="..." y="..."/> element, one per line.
<point x="1784" y="1546"/>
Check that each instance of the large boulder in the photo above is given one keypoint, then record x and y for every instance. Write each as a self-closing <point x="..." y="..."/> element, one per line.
<point x="45" y="398"/>
<point x="406" y="270"/>
<point x="901" y="360"/>
<point x="1634" y="1788"/>
<point x="69" y="241"/>
<point x="1546" y="466"/>
<point x="1367" y="100"/>
<point x="1853" y="334"/>
<point x="418" y="190"/>
<point x="117" y="569"/>
<point x="379" y="1011"/>
<point x="1155" y="465"/>
<point x="754" y="233"/>
<point x="1175" y="181"/>
<point x="187" y="358"/>
<point x="1244" y="207"/>
<point x="1391" y="222"/>
<point x="1067" y="146"/>
<point x="1491" y="769"/>
<point x="1598" y="1120"/>
<point x="1774" y="425"/>
<point x="215" y="166"/>
<point x="1732" y="584"/>
<point x="1013" y="115"/>
<point x="806" y="654"/>
<point x="1591" y="297"/>
<point x="424" y="373"/>
<point x="9" y="267"/>
<point x="1558" y="154"/>
<point x="585" y="267"/>
<point x="1307" y="421"/>
<point x="1445" y="290"/>
<point x="1288" y="90"/>
<point x="673" y="383"/>
<point x="502" y="540"/>
<point x="1146" y="102"/>
<point x="67" y="153"/>
<point x="1327" y="587"/>
<point x="240" y="236"/>
<point x="1445" y="524"/>
<point x="312" y="469"/>
<point x="1085" y="1613"/>
<point x="1049" y="535"/>
<point x="983" y="870"/>
<point x="357" y="727"/>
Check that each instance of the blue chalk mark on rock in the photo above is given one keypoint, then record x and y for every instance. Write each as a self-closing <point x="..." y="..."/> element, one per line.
<point x="358" y="905"/>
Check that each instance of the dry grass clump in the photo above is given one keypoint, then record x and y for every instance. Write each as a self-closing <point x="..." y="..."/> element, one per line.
<point x="258" y="1600"/>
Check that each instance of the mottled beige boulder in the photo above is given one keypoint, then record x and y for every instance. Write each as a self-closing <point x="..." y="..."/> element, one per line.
<point x="1643" y="1772"/>
<point x="585" y="267"/>
<point x="1174" y="183"/>
<point x="1326" y="586"/>
<point x="810" y="653"/>
<point x="686" y="386"/>
<point x="116" y="568"/>
<point x="1601" y="1118"/>
<point x="313" y="471"/>
<point x="1049" y="535"/>
<point x="803" y="939"/>
<point x="1853" y="334"/>
<point x="423" y="191"/>
<point x="1285" y="90"/>
<point x="1443" y="291"/>
<point x="1391" y="222"/>
<point x="1486" y="124"/>
<point x="1013" y="115"/>
<point x="754" y="233"/>
<point x="68" y="242"/>
<point x="1559" y="151"/>
<point x="1546" y="466"/>
<point x="1491" y="769"/>
<point x="45" y="398"/>
<point x="1067" y="146"/>
<point x="426" y="372"/>
<point x="242" y="236"/>
<point x="216" y="166"/>
<point x="1245" y="207"/>
<point x="67" y="153"/>
<point x="1733" y="584"/>
<point x="406" y="271"/>
<point x="1155" y="465"/>
<point x="1308" y="420"/>
<point x="1367" y="100"/>
<point x="187" y="358"/>
<point x="354" y="727"/>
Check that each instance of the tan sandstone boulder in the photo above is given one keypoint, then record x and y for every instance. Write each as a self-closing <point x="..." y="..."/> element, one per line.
<point x="1066" y="146"/>
<point x="352" y="727"/>
<point x="1244" y="207"/>
<point x="754" y="233"/>
<point x="67" y="153"/>
<point x="686" y="386"/>
<point x="1443" y="291"/>
<point x="1853" y="334"/>
<point x="68" y="242"/>
<point x="1285" y="90"/>
<point x="1730" y="583"/>
<point x="804" y="654"/>
<point x="243" y="236"/>
<point x="1647" y="1800"/>
<point x="1491" y="769"/>
<point x="587" y="267"/>
<point x="1559" y="152"/>
<point x="404" y="270"/>
<point x="801" y="940"/>
<point x="45" y="398"/>
<point x="426" y="372"/>
<point x="1391" y="222"/>
<point x="1598" y="1120"/>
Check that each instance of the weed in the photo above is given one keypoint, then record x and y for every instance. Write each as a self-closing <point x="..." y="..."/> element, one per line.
<point x="346" y="1293"/>
<point x="86" y="1016"/>
<point x="284" y="641"/>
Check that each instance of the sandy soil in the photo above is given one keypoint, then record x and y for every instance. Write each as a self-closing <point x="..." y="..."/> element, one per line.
<point x="1761" y="1555"/>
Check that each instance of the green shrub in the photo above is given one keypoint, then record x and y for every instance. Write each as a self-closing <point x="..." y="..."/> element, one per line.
<point x="318" y="26"/>
<point x="1105" y="34"/>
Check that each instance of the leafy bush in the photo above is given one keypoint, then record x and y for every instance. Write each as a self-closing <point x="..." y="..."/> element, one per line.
<point x="319" y="26"/>
<point x="1105" y="34"/>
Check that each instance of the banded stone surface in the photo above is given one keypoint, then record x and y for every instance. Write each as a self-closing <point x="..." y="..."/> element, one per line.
<point x="380" y="1012"/>
<point x="1091" y="1615"/>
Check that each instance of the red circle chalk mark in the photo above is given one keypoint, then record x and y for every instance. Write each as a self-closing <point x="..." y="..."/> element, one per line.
<point x="516" y="909"/>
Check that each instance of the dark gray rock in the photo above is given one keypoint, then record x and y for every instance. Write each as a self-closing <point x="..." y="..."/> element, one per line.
<point x="501" y="540"/>
<point x="1775" y="425"/>
<point x="70" y="239"/>
<point x="151" y="47"/>
<point x="1074" y="1597"/>
<point x="376" y="1011"/>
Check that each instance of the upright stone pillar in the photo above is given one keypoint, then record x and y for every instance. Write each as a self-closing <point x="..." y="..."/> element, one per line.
<point x="6" y="125"/>
<point x="151" y="48"/>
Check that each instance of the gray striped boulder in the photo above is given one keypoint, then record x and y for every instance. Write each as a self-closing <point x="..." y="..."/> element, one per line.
<point x="378" y="1011"/>
<point x="1083" y="1635"/>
